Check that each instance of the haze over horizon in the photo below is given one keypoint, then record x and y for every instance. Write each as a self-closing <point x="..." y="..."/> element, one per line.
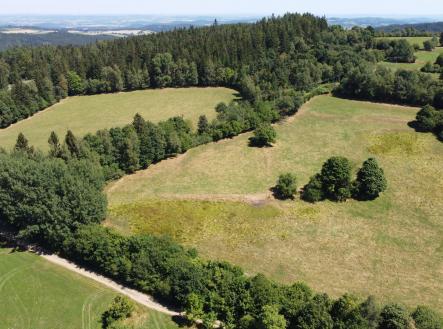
<point x="343" y="8"/>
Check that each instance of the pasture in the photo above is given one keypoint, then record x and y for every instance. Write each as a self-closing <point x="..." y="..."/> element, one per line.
<point x="36" y="294"/>
<point x="422" y="56"/>
<point x="87" y="114"/>
<point x="216" y="198"/>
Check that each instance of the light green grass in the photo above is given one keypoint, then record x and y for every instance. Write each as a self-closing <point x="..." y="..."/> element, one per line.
<point x="36" y="294"/>
<point x="422" y="56"/>
<point x="87" y="114"/>
<point x="391" y="247"/>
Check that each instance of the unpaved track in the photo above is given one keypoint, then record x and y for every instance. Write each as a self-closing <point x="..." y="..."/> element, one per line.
<point x="135" y="295"/>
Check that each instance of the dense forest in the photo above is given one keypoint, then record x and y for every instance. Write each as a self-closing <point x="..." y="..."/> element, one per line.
<point x="11" y="40"/>
<point x="276" y="64"/>
<point x="267" y="60"/>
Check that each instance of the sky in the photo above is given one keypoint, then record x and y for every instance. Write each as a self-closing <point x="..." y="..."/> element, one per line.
<point x="223" y="7"/>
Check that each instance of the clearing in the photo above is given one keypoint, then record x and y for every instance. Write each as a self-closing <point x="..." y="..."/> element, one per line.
<point x="34" y="293"/>
<point x="87" y="114"/>
<point x="216" y="198"/>
<point x="423" y="56"/>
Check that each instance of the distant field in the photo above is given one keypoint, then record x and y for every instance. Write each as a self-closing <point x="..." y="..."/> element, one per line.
<point x="391" y="247"/>
<point x="36" y="294"/>
<point x="422" y="56"/>
<point x="84" y="114"/>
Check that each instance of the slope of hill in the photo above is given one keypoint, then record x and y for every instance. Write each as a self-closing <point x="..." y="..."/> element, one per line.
<point x="363" y="247"/>
<point x="87" y="114"/>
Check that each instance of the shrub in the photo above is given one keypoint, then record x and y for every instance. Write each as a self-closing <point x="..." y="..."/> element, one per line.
<point x="286" y="186"/>
<point x="428" y="45"/>
<point x="264" y="135"/>
<point x="370" y="181"/>
<point x="395" y="316"/>
<point x="313" y="191"/>
<point x="120" y="309"/>
<point x="336" y="178"/>
<point x="427" y="118"/>
<point x="425" y="318"/>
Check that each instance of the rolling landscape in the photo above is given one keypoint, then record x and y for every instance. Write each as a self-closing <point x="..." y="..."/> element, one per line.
<point x="282" y="172"/>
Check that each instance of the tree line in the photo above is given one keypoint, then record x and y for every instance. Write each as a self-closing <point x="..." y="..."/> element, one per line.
<point x="266" y="60"/>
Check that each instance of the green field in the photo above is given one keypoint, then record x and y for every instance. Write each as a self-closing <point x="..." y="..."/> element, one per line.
<point x="216" y="197"/>
<point x="85" y="114"/>
<point x="422" y="56"/>
<point x="36" y="294"/>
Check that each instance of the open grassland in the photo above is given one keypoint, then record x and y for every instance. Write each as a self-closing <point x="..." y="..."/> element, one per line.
<point x="422" y="58"/>
<point x="36" y="294"/>
<point x="87" y="114"/>
<point x="216" y="198"/>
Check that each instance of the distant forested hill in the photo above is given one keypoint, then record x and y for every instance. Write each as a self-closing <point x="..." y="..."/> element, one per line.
<point x="422" y="27"/>
<point x="59" y="38"/>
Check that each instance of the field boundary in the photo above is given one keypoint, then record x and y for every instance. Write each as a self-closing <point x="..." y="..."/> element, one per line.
<point x="139" y="297"/>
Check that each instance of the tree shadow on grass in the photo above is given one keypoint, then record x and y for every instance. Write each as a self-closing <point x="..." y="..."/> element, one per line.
<point x="258" y="144"/>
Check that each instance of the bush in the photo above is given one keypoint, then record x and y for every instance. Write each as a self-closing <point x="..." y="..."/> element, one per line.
<point x="336" y="178"/>
<point x="395" y="316"/>
<point x="264" y="135"/>
<point x="286" y="186"/>
<point x="370" y="181"/>
<point x="425" y="318"/>
<point x="428" y="45"/>
<point x="313" y="191"/>
<point x="120" y="309"/>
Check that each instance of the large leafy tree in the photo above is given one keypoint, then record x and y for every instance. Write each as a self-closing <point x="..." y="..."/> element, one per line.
<point x="46" y="198"/>
<point x="336" y="178"/>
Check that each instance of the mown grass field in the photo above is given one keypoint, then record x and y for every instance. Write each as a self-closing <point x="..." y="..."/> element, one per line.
<point x="36" y="294"/>
<point x="217" y="199"/>
<point x="87" y="114"/>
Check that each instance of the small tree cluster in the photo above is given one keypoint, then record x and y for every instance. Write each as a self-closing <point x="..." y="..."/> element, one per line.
<point x="429" y="119"/>
<point x="120" y="309"/>
<point x="264" y="135"/>
<point x="334" y="181"/>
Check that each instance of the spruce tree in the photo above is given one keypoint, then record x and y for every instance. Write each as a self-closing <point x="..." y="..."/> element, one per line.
<point x="203" y="125"/>
<point x="22" y="144"/>
<point x="55" y="148"/>
<point x="370" y="181"/>
<point x="73" y="144"/>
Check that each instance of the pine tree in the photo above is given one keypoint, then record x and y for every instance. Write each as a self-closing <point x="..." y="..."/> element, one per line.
<point x="55" y="148"/>
<point x="73" y="145"/>
<point x="370" y="181"/>
<point x="203" y="125"/>
<point x="22" y="144"/>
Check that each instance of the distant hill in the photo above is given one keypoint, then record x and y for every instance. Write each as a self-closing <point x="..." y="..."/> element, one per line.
<point x="421" y="27"/>
<point x="9" y="40"/>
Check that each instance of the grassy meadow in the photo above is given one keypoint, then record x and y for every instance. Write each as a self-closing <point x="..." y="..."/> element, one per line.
<point x="216" y="198"/>
<point x="36" y="294"/>
<point x="422" y="56"/>
<point x="87" y="114"/>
